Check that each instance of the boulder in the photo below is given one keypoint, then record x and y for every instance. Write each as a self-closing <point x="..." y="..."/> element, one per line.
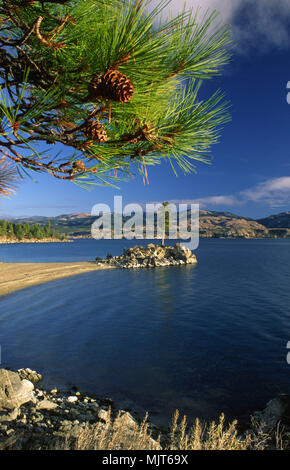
<point x="277" y="410"/>
<point x="10" y="416"/>
<point x="160" y="254"/>
<point x="127" y="420"/>
<point x="14" y="392"/>
<point x="95" y="406"/>
<point x="30" y="375"/>
<point x="104" y="415"/>
<point x="72" y="399"/>
<point x="151" y="246"/>
<point x="46" y="405"/>
<point x="129" y="427"/>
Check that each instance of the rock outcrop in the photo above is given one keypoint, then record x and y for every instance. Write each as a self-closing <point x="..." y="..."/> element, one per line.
<point x="30" y="375"/>
<point x="14" y="392"/>
<point x="277" y="411"/>
<point x="34" y="418"/>
<point x="150" y="256"/>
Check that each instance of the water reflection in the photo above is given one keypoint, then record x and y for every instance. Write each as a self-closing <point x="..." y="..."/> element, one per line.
<point x="205" y="338"/>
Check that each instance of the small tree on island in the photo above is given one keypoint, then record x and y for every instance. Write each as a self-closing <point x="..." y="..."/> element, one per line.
<point x="165" y="214"/>
<point x="91" y="90"/>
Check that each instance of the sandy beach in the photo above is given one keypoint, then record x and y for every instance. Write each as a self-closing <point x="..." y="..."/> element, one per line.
<point x="16" y="276"/>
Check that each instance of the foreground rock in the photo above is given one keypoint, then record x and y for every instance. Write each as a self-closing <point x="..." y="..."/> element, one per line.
<point x="14" y="392"/>
<point x="30" y="375"/>
<point x="36" y="419"/>
<point x="33" y="418"/>
<point x="277" y="411"/>
<point x="150" y="256"/>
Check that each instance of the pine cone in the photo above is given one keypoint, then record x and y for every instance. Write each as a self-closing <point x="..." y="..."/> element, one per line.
<point x="78" y="166"/>
<point x="95" y="130"/>
<point x="114" y="85"/>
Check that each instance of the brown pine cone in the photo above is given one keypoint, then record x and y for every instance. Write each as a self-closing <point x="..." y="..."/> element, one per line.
<point x="95" y="130"/>
<point x="113" y="85"/>
<point x="78" y="166"/>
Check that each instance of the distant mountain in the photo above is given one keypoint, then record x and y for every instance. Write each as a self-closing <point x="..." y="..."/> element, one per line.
<point x="276" y="221"/>
<point x="70" y="224"/>
<point x="204" y="213"/>
<point x="212" y="225"/>
<point x="227" y="225"/>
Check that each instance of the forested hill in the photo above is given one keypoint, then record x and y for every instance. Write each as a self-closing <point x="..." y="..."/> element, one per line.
<point x="212" y="225"/>
<point x="10" y="231"/>
<point x="281" y="220"/>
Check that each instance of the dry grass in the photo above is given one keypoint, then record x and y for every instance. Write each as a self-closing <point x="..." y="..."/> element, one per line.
<point x="216" y="436"/>
<point x="112" y="435"/>
<point x="122" y="433"/>
<point x="264" y="438"/>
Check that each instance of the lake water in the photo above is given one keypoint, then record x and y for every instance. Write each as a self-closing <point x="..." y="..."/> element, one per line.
<point x="204" y="339"/>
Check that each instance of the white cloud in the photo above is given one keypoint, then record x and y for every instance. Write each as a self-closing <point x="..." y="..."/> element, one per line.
<point x="218" y="201"/>
<point x="255" y="23"/>
<point x="273" y="193"/>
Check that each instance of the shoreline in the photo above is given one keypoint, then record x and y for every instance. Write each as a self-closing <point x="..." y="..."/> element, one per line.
<point x="8" y="241"/>
<point x="17" y="276"/>
<point x="34" y="418"/>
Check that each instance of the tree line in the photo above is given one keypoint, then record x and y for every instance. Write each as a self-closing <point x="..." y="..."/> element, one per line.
<point x="22" y="231"/>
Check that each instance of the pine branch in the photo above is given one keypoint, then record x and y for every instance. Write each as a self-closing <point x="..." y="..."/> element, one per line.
<point x="106" y="80"/>
<point x="8" y="177"/>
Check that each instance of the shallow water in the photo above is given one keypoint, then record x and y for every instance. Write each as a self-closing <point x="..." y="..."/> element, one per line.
<point x="205" y="338"/>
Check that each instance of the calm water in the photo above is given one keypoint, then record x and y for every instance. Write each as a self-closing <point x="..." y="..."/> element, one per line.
<point x="204" y="339"/>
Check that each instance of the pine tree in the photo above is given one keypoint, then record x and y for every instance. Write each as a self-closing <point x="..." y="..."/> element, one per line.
<point x="165" y="211"/>
<point x="3" y="228"/>
<point x="26" y="230"/>
<point x="93" y="89"/>
<point x="19" y="231"/>
<point x="37" y="231"/>
<point x="47" y="229"/>
<point x="10" y="230"/>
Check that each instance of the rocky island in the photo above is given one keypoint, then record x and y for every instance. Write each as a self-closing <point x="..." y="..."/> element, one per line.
<point x="150" y="256"/>
<point x="15" y="276"/>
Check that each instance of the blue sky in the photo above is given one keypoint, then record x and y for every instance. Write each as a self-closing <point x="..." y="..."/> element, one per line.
<point x="250" y="172"/>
